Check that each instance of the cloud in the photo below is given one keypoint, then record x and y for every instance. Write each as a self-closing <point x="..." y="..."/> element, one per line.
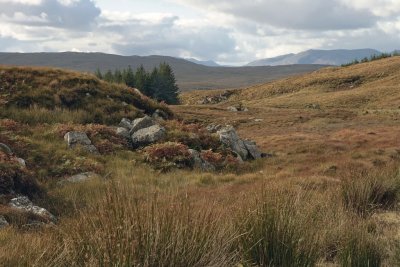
<point x="293" y="14"/>
<point x="77" y="15"/>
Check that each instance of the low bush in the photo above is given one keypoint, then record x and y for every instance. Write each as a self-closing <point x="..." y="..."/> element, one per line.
<point x="168" y="155"/>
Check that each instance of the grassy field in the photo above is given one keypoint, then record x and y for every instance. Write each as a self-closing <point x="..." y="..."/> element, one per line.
<point x="329" y="196"/>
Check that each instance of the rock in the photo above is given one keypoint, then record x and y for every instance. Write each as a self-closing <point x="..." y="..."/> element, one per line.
<point x="141" y="123"/>
<point x="121" y="131"/>
<point x="126" y="123"/>
<point x="160" y="114"/>
<point x="3" y="222"/>
<point x="148" y="135"/>
<point x="79" y="178"/>
<point x="229" y="137"/>
<point x="313" y="106"/>
<point x="79" y="138"/>
<point x="233" y="109"/>
<point x="200" y="163"/>
<point x="258" y="120"/>
<point x="23" y="203"/>
<point x="124" y="104"/>
<point x="252" y="149"/>
<point x="6" y="149"/>
<point x="213" y="128"/>
<point x="21" y="162"/>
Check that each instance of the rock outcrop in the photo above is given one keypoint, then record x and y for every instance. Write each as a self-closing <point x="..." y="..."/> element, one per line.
<point x="200" y="163"/>
<point x="141" y="123"/>
<point x="148" y="135"/>
<point x="215" y="99"/>
<point x="79" y="138"/>
<point x="246" y="149"/>
<point x="23" y="203"/>
<point x="79" y="178"/>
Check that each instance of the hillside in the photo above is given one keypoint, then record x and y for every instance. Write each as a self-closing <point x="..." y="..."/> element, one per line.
<point x="81" y="187"/>
<point x="189" y="75"/>
<point x="327" y="57"/>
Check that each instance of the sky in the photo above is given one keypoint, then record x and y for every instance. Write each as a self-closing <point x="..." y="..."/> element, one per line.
<point x="227" y="31"/>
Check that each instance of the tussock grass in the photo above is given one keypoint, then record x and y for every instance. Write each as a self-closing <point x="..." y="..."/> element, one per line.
<point x="367" y="191"/>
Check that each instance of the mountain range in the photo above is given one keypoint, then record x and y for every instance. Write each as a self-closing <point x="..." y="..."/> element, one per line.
<point x="328" y="57"/>
<point x="189" y="75"/>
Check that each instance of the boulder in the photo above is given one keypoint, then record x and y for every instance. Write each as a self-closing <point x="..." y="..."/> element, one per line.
<point x="121" y="131"/>
<point x="79" y="138"/>
<point x="141" y="123"/>
<point x="233" y="109"/>
<point x="252" y="149"/>
<point x="79" y="178"/>
<point x="213" y="128"/>
<point x="160" y="114"/>
<point x="199" y="163"/>
<point x="229" y="137"/>
<point x="23" y="203"/>
<point x="3" y="222"/>
<point x="6" y="149"/>
<point x="148" y="135"/>
<point x="126" y="123"/>
<point x="21" y="162"/>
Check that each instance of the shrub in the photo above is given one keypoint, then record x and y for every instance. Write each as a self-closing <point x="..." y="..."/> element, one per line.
<point x="365" y="192"/>
<point x="167" y="155"/>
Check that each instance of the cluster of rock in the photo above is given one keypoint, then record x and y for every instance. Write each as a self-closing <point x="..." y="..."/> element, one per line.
<point x="142" y="131"/>
<point x="245" y="149"/>
<point x="23" y="203"/>
<point x="215" y="99"/>
<point x="238" y="108"/>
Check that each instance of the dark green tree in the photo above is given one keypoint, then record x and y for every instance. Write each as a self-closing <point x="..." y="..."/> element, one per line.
<point x="169" y="91"/>
<point x="129" y="77"/>
<point x="118" y="76"/>
<point x="98" y="74"/>
<point x="142" y="81"/>
<point x="108" y="76"/>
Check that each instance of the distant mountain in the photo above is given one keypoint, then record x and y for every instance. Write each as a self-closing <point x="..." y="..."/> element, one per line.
<point x="190" y="76"/>
<point x="328" y="57"/>
<point x="208" y="63"/>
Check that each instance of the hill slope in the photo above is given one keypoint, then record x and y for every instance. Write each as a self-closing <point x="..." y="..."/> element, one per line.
<point x="189" y="75"/>
<point x="328" y="57"/>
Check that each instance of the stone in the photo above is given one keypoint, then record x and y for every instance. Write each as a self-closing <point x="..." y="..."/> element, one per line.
<point x="160" y="114"/>
<point x="6" y="149"/>
<point x="148" y="135"/>
<point x="23" y="203"/>
<point x="213" y="128"/>
<point x="252" y="149"/>
<point x="126" y="123"/>
<point x="199" y="163"/>
<point x="229" y="137"/>
<point x="3" y="222"/>
<point x="121" y="131"/>
<point x="233" y="109"/>
<point x="82" y="177"/>
<point x="21" y="162"/>
<point x="141" y="123"/>
<point x="79" y="138"/>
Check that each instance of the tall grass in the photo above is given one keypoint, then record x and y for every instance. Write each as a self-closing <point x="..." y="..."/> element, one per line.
<point x="367" y="191"/>
<point x="126" y="230"/>
<point x="275" y="234"/>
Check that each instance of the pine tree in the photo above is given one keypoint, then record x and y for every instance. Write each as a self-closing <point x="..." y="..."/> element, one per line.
<point x="170" y="90"/>
<point x="129" y="77"/>
<point x="98" y="74"/>
<point x="155" y="88"/>
<point x="142" y="81"/>
<point x="118" y="76"/>
<point x="108" y="76"/>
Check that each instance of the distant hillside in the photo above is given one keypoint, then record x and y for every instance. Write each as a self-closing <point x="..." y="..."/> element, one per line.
<point x="328" y="57"/>
<point x="208" y="63"/>
<point x="190" y="76"/>
<point x="371" y="85"/>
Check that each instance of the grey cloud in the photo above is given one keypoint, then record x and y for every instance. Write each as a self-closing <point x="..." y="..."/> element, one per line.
<point x="294" y="14"/>
<point x="78" y="15"/>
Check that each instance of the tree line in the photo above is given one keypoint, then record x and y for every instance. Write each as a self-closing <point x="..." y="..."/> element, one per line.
<point x="159" y="84"/>
<point x="372" y="58"/>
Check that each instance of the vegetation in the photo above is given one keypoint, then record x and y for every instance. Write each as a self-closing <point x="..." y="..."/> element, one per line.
<point x="328" y="195"/>
<point x="372" y="58"/>
<point x="160" y="84"/>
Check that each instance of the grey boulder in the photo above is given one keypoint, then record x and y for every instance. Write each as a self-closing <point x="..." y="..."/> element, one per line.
<point x="253" y="150"/>
<point x="79" y="138"/>
<point x="148" y="135"/>
<point x="200" y="163"/>
<point x="126" y="123"/>
<point x="121" y="131"/>
<point x="230" y="138"/>
<point x="23" y="203"/>
<point x="141" y="123"/>
<point x="79" y="178"/>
